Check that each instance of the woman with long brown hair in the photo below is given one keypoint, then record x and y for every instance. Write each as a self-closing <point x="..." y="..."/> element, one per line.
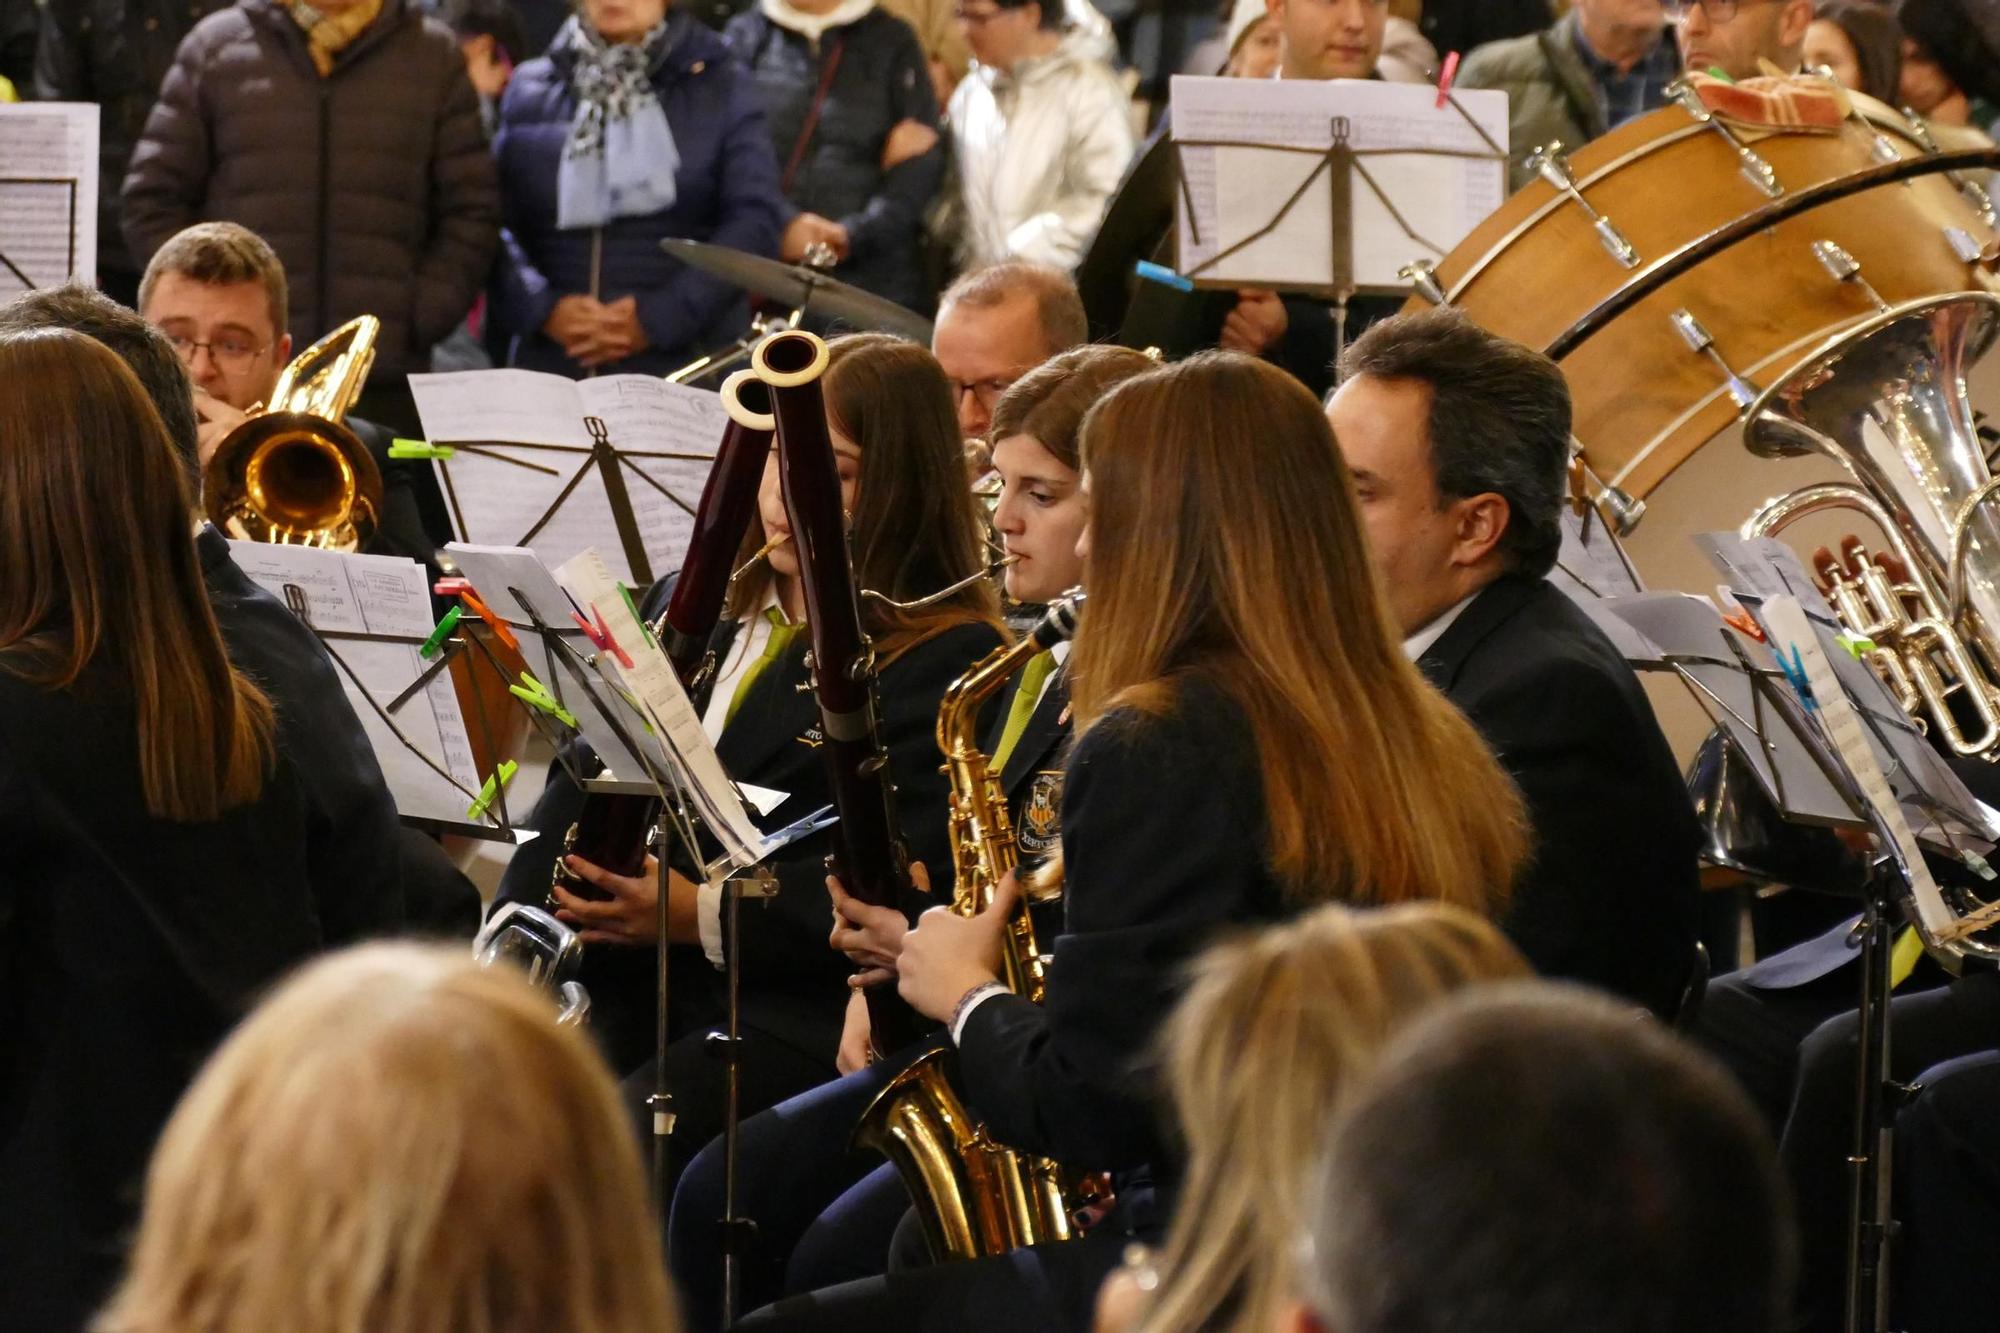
<point x="160" y="831"/>
<point x="822" y="1211"/>
<point x="1251" y="742"/>
<point x="397" y="1141"/>
<point x="914" y="530"/>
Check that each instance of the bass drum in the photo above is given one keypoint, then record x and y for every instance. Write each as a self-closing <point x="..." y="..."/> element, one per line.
<point x="1680" y="269"/>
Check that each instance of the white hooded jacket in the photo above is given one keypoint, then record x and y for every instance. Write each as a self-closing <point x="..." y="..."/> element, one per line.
<point x="1037" y="153"/>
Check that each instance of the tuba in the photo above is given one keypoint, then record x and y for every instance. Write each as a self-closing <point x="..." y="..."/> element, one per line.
<point x="294" y="473"/>
<point x="974" y="1196"/>
<point x="1887" y="401"/>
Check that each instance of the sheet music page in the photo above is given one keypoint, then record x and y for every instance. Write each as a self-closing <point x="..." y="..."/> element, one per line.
<point x="501" y="494"/>
<point x="369" y="594"/>
<point x="1689" y="631"/>
<point x="651" y="679"/>
<point x="1427" y="202"/>
<point x="1765" y="567"/>
<point x="1589" y="564"/>
<point x="48" y="195"/>
<point x="1793" y="635"/>
<point x="496" y="574"/>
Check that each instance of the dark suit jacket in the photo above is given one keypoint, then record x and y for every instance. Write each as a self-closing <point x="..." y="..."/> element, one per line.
<point x="1032" y="777"/>
<point x="794" y="986"/>
<point x="129" y="944"/>
<point x="1164" y="849"/>
<point x="1610" y="895"/>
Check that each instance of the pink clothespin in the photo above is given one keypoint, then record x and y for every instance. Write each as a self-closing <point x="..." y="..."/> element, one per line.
<point x="599" y="635"/>
<point x="1446" y="73"/>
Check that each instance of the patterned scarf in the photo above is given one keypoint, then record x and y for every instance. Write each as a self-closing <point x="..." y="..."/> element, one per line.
<point x="327" y="35"/>
<point x="620" y="159"/>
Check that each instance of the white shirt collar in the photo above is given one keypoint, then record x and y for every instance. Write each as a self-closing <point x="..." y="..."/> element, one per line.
<point x="1416" y="645"/>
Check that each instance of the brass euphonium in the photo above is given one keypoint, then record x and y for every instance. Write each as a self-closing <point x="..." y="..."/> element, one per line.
<point x="974" y="1196"/>
<point x="1887" y="401"/>
<point x="294" y="473"/>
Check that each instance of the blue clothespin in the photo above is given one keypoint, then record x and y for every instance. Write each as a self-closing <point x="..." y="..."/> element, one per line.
<point x="1163" y="275"/>
<point x="1795" y="674"/>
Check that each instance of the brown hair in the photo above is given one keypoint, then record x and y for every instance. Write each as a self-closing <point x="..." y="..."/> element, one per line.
<point x="140" y="345"/>
<point x="1224" y="540"/>
<point x="98" y="565"/>
<point x="1057" y="304"/>
<point x="221" y="254"/>
<point x="1277" y="1029"/>
<point x="400" y="1141"/>
<point x="915" y="527"/>
<point x="1049" y="402"/>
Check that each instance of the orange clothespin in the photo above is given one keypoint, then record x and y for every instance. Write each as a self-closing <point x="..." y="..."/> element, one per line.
<point x="501" y="629"/>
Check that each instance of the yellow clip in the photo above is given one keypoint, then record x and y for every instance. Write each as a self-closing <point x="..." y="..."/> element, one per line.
<point x="503" y="776"/>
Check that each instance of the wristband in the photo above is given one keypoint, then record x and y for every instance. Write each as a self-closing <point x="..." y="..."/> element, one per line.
<point x="970" y="1001"/>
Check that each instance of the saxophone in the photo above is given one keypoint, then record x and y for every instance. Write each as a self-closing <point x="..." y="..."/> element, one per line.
<point x="976" y="1197"/>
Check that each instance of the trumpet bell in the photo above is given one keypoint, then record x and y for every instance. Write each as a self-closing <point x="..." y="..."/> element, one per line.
<point x="294" y="478"/>
<point x="294" y="474"/>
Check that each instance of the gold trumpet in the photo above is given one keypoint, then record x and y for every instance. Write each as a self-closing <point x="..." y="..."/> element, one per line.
<point x="293" y="473"/>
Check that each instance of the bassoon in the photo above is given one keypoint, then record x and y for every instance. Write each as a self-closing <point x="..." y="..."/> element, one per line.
<point x="612" y="830"/>
<point x="870" y="856"/>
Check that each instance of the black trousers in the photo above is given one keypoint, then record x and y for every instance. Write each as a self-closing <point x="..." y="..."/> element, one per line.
<point x="697" y="1076"/>
<point x="1927" y="1029"/>
<point x="1947" y="1187"/>
<point x="824" y="1211"/>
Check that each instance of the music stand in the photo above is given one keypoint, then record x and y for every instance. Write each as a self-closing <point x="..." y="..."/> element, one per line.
<point x="1341" y="170"/>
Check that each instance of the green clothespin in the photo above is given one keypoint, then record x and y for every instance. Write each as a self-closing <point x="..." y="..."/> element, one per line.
<point x="441" y="633"/>
<point x="1855" y="644"/>
<point x="500" y="778"/>
<point x="1718" y="72"/>
<point x="400" y="448"/>
<point x="633" y="607"/>
<point x="536" y="695"/>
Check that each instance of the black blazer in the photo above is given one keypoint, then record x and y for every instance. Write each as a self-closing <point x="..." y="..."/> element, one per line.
<point x="794" y="986"/>
<point x="1610" y="895"/>
<point x="129" y="944"/>
<point x="1165" y="849"/>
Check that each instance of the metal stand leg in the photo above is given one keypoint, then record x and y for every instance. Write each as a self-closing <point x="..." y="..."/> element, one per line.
<point x="1869" y="1223"/>
<point x="661" y="1103"/>
<point x="738" y="1233"/>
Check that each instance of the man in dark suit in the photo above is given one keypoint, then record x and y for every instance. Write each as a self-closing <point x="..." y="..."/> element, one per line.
<point x="1459" y="445"/>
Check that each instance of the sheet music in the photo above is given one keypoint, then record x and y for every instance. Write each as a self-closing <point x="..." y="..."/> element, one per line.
<point x="1689" y="631"/>
<point x="1589" y="564"/>
<point x="48" y="195"/>
<point x="532" y="442"/>
<point x="652" y="680"/>
<point x="1233" y="192"/>
<point x="1792" y="632"/>
<point x="496" y="573"/>
<point x="370" y="594"/>
<point x="1765" y="567"/>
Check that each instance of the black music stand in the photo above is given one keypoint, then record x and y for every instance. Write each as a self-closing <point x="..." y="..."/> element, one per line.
<point x="1336" y="170"/>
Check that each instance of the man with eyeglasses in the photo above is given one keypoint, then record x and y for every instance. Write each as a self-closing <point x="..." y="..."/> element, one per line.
<point x="218" y="293"/>
<point x="996" y="324"/>
<point x="1736" y="37"/>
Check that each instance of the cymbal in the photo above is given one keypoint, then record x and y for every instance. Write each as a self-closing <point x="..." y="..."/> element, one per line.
<point x="795" y="285"/>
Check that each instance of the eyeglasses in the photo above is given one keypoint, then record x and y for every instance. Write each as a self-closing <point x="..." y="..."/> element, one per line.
<point x="986" y="391"/>
<point x="230" y="353"/>
<point x="1718" y="11"/>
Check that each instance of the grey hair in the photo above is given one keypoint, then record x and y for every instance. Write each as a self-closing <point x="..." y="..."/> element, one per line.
<point x="1499" y="420"/>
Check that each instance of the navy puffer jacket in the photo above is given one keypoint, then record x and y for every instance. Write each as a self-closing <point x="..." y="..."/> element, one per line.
<point x="727" y="194"/>
<point x="373" y="184"/>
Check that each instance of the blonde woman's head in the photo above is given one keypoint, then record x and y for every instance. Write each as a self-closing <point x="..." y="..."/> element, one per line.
<point x="1275" y="1031"/>
<point x="398" y="1141"/>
